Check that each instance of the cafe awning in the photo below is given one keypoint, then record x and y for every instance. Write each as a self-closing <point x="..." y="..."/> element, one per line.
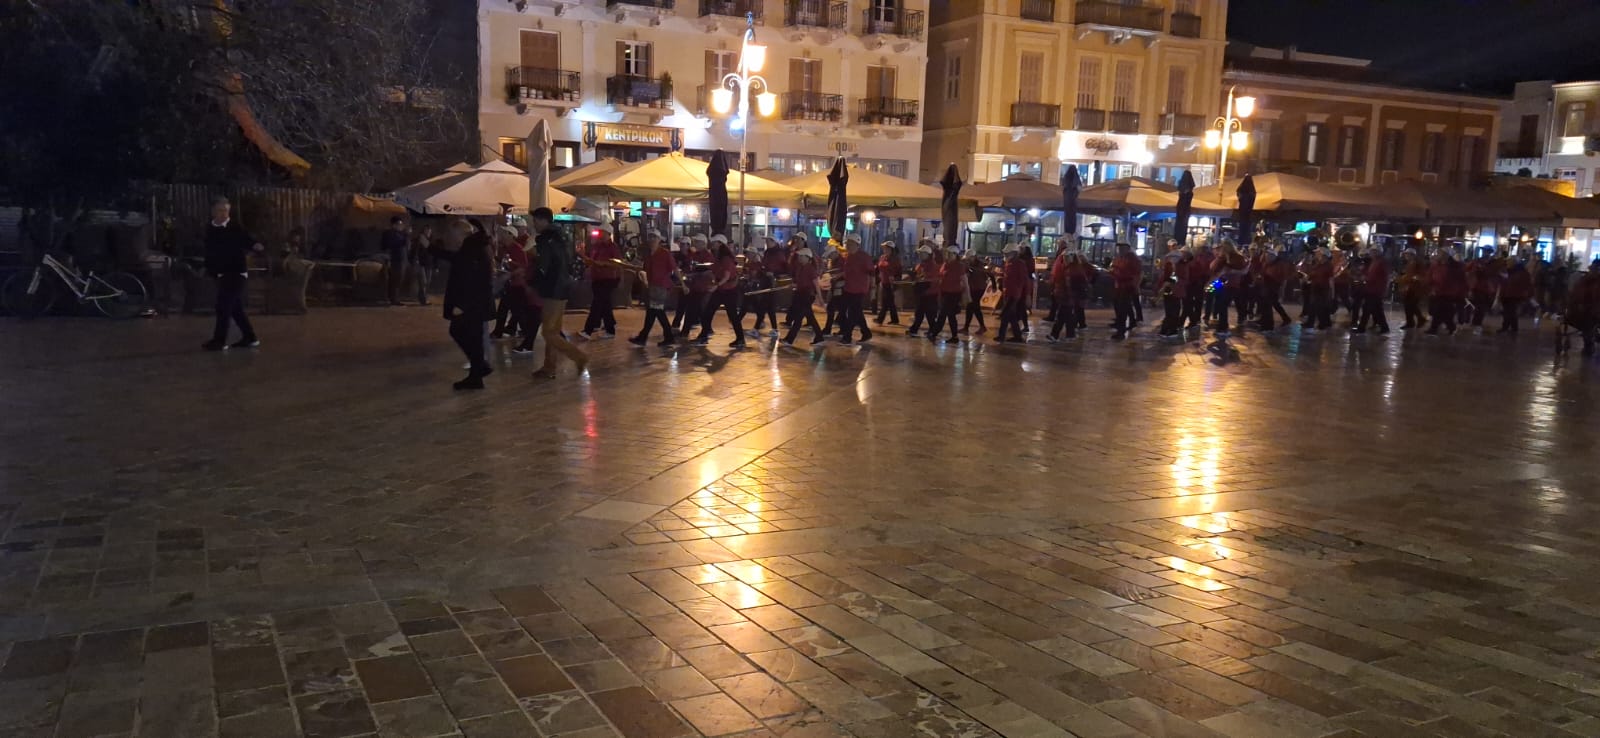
<point x="869" y="189"/>
<point x="483" y="190"/>
<point x="1447" y="204"/>
<point x="1016" y="192"/>
<point x="1129" y="195"/>
<point x="675" y="176"/>
<point x="584" y="172"/>
<point x="1287" y="194"/>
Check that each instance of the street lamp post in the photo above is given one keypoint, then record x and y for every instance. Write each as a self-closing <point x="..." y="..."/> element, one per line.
<point x="1227" y="132"/>
<point x="751" y="58"/>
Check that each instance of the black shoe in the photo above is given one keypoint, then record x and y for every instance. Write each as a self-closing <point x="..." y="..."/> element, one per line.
<point x="1358" y="330"/>
<point x="912" y="333"/>
<point x="472" y="382"/>
<point x="787" y="342"/>
<point x="245" y="343"/>
<point x="1118" y="336"/>
<point x="866" y="338"/>
<point x="637" y="340"/>
<point x="667" y="343"/>
<point x="213" y="345"/>
<point x="845" y="342"/>
<point x="737" y="344"/>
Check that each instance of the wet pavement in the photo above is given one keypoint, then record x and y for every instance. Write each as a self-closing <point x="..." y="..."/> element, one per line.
<point x="1285" y="536"/>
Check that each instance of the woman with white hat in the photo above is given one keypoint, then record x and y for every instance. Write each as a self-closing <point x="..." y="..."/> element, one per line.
<point x="1013" y="295"/>
<point x="926" y="276"/>
<point x="805" y="293"/>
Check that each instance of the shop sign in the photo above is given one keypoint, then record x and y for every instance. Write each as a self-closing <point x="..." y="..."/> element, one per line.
<point x="630" y="134"/>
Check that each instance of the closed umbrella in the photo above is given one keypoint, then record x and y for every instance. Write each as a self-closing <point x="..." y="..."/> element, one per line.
<point x="949" y="204"/>
<point x="1246" y="211"/>
<point x="717" y="177"/>
<point x="838" y="206"/>
<point x="1180" y="216"/>
<point x="539" y="166"/>
<point x="1071" y="185"/>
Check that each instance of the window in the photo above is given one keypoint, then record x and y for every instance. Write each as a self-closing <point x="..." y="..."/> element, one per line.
<point x="891" y="167"/>
<point x="719" y="64"/>
<point x="1030" y="77"/>
<point x="1264" y="135"/>
<point x="1528" y="136"/>
<point x="805" y="75"/>
<point x="541" y="50"/>
<point x="1089" y="82"/>
<point x="1122" y="85"/>
<point x="1432" y="152"/>
<point x="799" y="163"/>
<point x="1313" y="141"/>
<point x="1177" y="90"/>
<point x="1185" y="7"/>
<point x="884" y="11"/>
<point x="514" y="151"/>
<point x="1575" y="118"/>
<point x="880" y="82"/>
<point x="1471" y="152"/>
<point x="1030" y="168"/>
<point x="633" y="58"/>
<point x="952" y="78"/>
<point x="1350" y="145"/>
<point x="1394" y="149"/>
<point x="563" y="154"/>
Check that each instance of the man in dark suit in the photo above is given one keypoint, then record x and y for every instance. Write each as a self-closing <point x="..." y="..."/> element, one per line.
<point x="227" y="246"/>
<point x="469" y="300"/>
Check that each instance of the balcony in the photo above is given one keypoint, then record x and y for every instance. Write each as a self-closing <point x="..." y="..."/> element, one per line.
<point x="1117" y="15"/>
<point x="1186" y="25"/>
<point x="1035" y="115"/>
<point x="1123" y="121"/>
<point x="1088" y="119"/>
<point x="886" y="111"/>
<point x="732" y="8"/>
<point x="1039" y="10"/>
<point x="628" y="91"/>
<point x="903" y="23"/>
<point x="1179" y="124"/>
<point x="536" y="84"/>
<point x="658" y="4"/>
<point x="816" y="14"/>
<point x="812" y="106"/>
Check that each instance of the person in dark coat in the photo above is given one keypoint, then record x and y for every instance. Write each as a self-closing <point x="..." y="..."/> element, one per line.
<point x="396" y="244"/>
<point x="1515" y="290"/>
<point x="422" y="262"/>
<point x="553" y="281"/>
<point x="227" y="249"/>
<point x="469" y="300"/>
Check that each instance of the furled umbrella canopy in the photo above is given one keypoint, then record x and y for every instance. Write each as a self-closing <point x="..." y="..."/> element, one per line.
<point x="950" y="204"/>
<point x="838" y="206"/>
<point x="1071" y="186"/>
<point x="1180" y="219"/>
<point x="539" y="166"/>
<point x="1244" y="217"/>
<point x="717" y="197"/>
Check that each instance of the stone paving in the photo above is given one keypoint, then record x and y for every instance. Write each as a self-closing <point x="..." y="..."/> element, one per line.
<point x="1284" y="536"/>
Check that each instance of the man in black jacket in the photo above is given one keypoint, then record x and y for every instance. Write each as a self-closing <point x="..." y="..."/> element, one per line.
<point x="227" y="246"/>
<point x="396" y="242"/>
<point x="469" y="300"/>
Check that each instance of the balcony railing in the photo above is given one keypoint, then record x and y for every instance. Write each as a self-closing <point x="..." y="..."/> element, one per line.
<point x="538" y="83"/>
<point x="639" y="92"/>
<point x="1039" y="10"/>
<point x="886" y="111"/>
<point x="1186" y="25"/>
<point x="904" y="23"/>
<point x="1180" y="124"/>
<point x="807" y="105"/>
<point x="1035" y="115"/>
<point x="1123" y="121"/>
<point x="661" y="4"/>
<point x="734" y="8"/>
<point x="1142" y="17"/>
<point x="1088" y="119"/>
<point x="816" y="14"/>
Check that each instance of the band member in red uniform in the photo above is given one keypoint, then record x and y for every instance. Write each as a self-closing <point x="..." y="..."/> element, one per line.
<point x="1013" y="296"/>
<point x="1413" y="288"/>
<point x="660" y="274"/>
<point x="1318" y="293"/>
<point x="1374" y="287"/>
<point x="1126" y="271"/>
<point x="604" y="275"/>
<point x="1061" y="298"/>
<point x="1447" y="287"/>
<point x="977" y="284"/>
<point x="758" y="279"/>
<point x="857" y="279"/>
<point x="1582" y="307"/>
<point x="1228" y="270"/>
<point x="1173" y="285"/>
<point x="1198" y="309"/>
<point x="805" y="293"/>
<point x="926" y="281"/>
<point x="952" y="286"/>
<point x="1082" y="274"/>
<point x="1483" y="279"/>
<point x="1269" y="290"/>
<point x="888" y="272"/>
<point x="1515" y="290"/>
<point x="724" y="293"/>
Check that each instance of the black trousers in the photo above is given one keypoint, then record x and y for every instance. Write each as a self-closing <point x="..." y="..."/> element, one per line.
<point x="1269" y="302"/>
<point x="1372" y="312"/>
<point x="975" y="310"/>
<point x="468" y="334"/>
<point x="1481" y="304"/>
<point x="424" y="279"/>
<point x="1511" y="311"/>
<point x="1227" y="297"/>
<point x="230" y="308"/>
<point x="397" y="273"/>
<point x="1194" y="306"/>
<point x="1444" y="311"/>
<point x="1066" y="319"/>
<point x="762" y="306"/>
<point x="886" y="304"/>
<point x="651" y="315"/>
<point x="601" y="312"/>
<point x="1011" y="316"/>
<point x="949" y="311"/>
<point x="505" y="319"/>
<point x="1172" y="325"/>
<point x="853" y="315"/>
<point x="1122" y="307"/>
<point x="691" y="309"/>
<point x="927" y="305"/>
<point x="728" y="300"/>
<point x="800" y="314"/>
<point x="528" y="316"/>
<point x="1319" y="308"/>
<point x="1414" y="315"/>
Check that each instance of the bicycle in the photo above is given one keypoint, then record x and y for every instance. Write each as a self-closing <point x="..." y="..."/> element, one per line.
<point x="31" y="293"/>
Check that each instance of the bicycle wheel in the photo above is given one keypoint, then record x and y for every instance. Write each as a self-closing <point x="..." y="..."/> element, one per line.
<point x="27" y="299"/>
<point x="118" y="295"/>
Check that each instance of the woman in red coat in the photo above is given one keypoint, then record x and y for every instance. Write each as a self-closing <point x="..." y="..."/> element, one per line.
<point x="1061" y="298"/>
<point x="1013" y="296"/>
<point x="1318" y="276"/>
<point x="1515" y="290"/>
<point x="1447" y="281"/>
<point x="1374" y="286"/>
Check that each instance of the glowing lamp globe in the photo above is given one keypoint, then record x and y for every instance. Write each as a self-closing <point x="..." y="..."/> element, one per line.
<point x="722" y="99"/>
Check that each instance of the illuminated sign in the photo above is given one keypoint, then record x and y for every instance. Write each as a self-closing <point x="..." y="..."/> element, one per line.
<point x="628" y="134"/>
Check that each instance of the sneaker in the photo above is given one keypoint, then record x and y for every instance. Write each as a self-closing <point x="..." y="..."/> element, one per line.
<point x="911" y="334"/>
<point x="706" y="341"/>
<point x="520" y="351"/>
<point x="1118" y="336"/>
<point x="214" y="346"/>
<point x="845" y="342"/>
<point x="245" y="343"/>
<point x="586" y="335"/>
<point x="472" y="382"/>
<point x="787" y="343"/>
<point x="739" y="344"/>
<point x="1052" y="338"/>
<point x="772" y="333"/>
<point x="608" y="335"/>
<point x="637" y="340"/>
<point x="753" y="333"/>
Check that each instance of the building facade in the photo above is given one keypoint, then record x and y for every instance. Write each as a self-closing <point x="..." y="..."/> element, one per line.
<point x="1319" y="116"/>
<point x="631" y="79"/>
<point x="1553" y="130"/>
<point x="1115" y="88"/>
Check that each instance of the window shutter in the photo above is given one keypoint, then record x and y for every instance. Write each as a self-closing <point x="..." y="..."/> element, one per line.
<point x="622" y="57"/>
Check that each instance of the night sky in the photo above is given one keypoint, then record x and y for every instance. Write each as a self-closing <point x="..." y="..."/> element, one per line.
<point x="1476" y="45"/>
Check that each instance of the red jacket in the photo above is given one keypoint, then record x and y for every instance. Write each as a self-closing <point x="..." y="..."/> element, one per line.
<point x="1230" y="268"/>
<point x="857" y="273"/>
<point x="805" y="277"/>
<point x="518" y="260"/>
<point x="952" y="277"/>
<point x="1060" y="277"/>
<point x="1518" y="285"/>
<point x="604" y="250"/>
<point x="1174" y="277"/>
<point x="658" y="267"/>
<point x="1125" y="272"/>
<point x="1320" y="274"/>
<point x="1200" y="269"/>
<point x="1448" y="280"/>
<point x="888" y="268"/>
<point x="1377" y="284"/>
<point x="977" y="281"/>
<point x="1015" y="284"/>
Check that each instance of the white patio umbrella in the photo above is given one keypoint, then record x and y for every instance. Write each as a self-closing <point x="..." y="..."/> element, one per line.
<point x="539" y="165"/>
<point x="484" y="190"/>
